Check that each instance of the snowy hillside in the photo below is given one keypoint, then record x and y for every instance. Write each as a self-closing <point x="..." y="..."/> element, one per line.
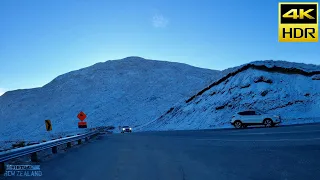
<point x="131" y="91"/>
<point x="289" y="89"/>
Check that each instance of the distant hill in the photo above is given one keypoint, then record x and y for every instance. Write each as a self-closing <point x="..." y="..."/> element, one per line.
<point x="131" y="91"/>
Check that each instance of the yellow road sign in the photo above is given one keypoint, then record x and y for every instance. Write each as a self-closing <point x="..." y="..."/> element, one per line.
<point x="48" y="125"/>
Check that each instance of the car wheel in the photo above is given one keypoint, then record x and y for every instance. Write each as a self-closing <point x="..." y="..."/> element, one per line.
<point x="268" y="123"/>
<point x="238" y="124"/>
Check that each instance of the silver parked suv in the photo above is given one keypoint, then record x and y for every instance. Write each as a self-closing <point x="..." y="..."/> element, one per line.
<point x="254" y="117"/>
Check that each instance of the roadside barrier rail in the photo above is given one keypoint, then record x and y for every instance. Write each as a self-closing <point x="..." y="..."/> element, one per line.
<point x="33" y="149"/>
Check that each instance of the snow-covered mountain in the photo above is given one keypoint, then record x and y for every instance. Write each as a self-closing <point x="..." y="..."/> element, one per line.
<point x="289" y="89"/>
<point x="131" y="91"/>
<point x="158" y="95"/>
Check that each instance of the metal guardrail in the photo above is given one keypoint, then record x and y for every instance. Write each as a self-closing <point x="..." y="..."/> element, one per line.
<point x="15" y="153"/>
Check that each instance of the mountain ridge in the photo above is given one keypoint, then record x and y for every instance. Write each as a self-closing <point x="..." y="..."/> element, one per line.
<point x="117" y="92"/>
<point x="136" y="91"/>
<point x="263" y="67"/>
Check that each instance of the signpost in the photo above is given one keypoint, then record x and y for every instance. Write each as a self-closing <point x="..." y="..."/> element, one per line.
<point x="82" y="124"/>
<point x="82" y="116"/>
<point x="48" y="125"/>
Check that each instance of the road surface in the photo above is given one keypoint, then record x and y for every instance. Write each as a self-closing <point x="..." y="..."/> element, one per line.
<point x="281" y="153"/>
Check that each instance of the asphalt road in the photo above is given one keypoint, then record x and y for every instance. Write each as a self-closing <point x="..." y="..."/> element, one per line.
<point x="281" y="153"/>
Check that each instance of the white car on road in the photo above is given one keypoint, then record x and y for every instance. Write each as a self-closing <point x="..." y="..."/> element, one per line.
<point x="126" y="129"/>
<point x="254" y="117"/>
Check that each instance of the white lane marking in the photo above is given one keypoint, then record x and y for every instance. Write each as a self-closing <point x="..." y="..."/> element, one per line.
<point x="261" y="140"/>
<point x="265" y="133"/>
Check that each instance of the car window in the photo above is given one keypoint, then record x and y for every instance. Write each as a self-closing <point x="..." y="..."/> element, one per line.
<point x="244" y="113"/>
<point x="247" y="113"/>
<point x="252" y="113"/>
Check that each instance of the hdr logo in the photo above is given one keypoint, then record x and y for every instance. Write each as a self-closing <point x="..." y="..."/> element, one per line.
<point x="298" y="22"/>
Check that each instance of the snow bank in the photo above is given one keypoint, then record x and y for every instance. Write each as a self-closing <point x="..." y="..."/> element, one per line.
<point x="292" y="94"/>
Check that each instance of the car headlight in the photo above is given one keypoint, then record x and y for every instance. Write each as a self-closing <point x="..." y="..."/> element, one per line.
<point x="123" y="129"/>
<point x="130" y="128"/>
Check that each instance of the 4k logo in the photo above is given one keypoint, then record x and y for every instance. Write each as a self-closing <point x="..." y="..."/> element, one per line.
<point x="301" y="15"/>
<point x="298" y="22"/>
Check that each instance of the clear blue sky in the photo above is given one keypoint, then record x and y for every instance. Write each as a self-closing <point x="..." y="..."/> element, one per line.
<point x="41" y="39"/>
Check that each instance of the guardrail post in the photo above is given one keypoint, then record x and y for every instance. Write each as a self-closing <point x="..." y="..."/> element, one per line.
<point x="34" y="157"/>
<point x="79" y="141"/>
<point x="92" y="136"/>
<point x="55" y="150"/>
<point x="69" y="145"/>
<point x="2" y="168"/>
